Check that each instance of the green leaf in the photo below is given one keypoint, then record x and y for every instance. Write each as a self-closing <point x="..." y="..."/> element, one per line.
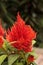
<point x="26" y="55"/>
<point x="33" y="42"/>
<point x="34" y="63"/>
<point x="2" y="52"/>
<point x="2" y="58"/>
<point x="19" y="63"/>
<point x="5" y="63"/>
<point x="31" y="53"/>
<point x="12" y="59"/>
<point x="6" y="45"/>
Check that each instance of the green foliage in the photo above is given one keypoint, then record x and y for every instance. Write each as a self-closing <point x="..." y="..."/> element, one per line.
<point x="4" y="63"/>
<point x="34" y="63"/>
<point x="11" y="56"/>
<point x="31" y="53"/>
<point x="18" y="63"/>
<point x="2" y="58"/>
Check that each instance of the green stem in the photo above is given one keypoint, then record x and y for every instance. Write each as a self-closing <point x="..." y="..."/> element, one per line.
<point x="23" y="55"/>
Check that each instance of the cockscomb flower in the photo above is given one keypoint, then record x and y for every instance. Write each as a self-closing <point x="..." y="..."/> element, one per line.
<point x="21" y="35"/>
<point x="1" y="35"/>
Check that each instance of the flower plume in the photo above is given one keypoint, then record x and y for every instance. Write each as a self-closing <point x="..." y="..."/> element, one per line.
<point x="23" y="35"/>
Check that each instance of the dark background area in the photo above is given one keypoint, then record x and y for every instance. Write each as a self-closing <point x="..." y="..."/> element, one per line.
<point x="30" y="10"/>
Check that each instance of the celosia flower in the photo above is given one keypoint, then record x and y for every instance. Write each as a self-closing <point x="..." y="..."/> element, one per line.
<point x="21" y="35"/>
<point x="31" y="58"/>
<point x="1" y="36"/>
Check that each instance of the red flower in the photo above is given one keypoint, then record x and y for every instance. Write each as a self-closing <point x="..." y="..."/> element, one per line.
<point x="1" y="41"/>
<point x="23" y="35"/>
<point x="1" y="31"/>
<point x="31" y="58"/>
<point x="1" y="36"/>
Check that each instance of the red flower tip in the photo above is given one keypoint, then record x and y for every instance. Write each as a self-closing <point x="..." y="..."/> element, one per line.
<point x="19" y="19"/>
<point x="23" y="35"/>
<point x="1" y="35"/>
<point x="1" y="31"/>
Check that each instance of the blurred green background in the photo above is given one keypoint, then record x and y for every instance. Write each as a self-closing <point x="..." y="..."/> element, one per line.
<point x="30" y="10"/>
